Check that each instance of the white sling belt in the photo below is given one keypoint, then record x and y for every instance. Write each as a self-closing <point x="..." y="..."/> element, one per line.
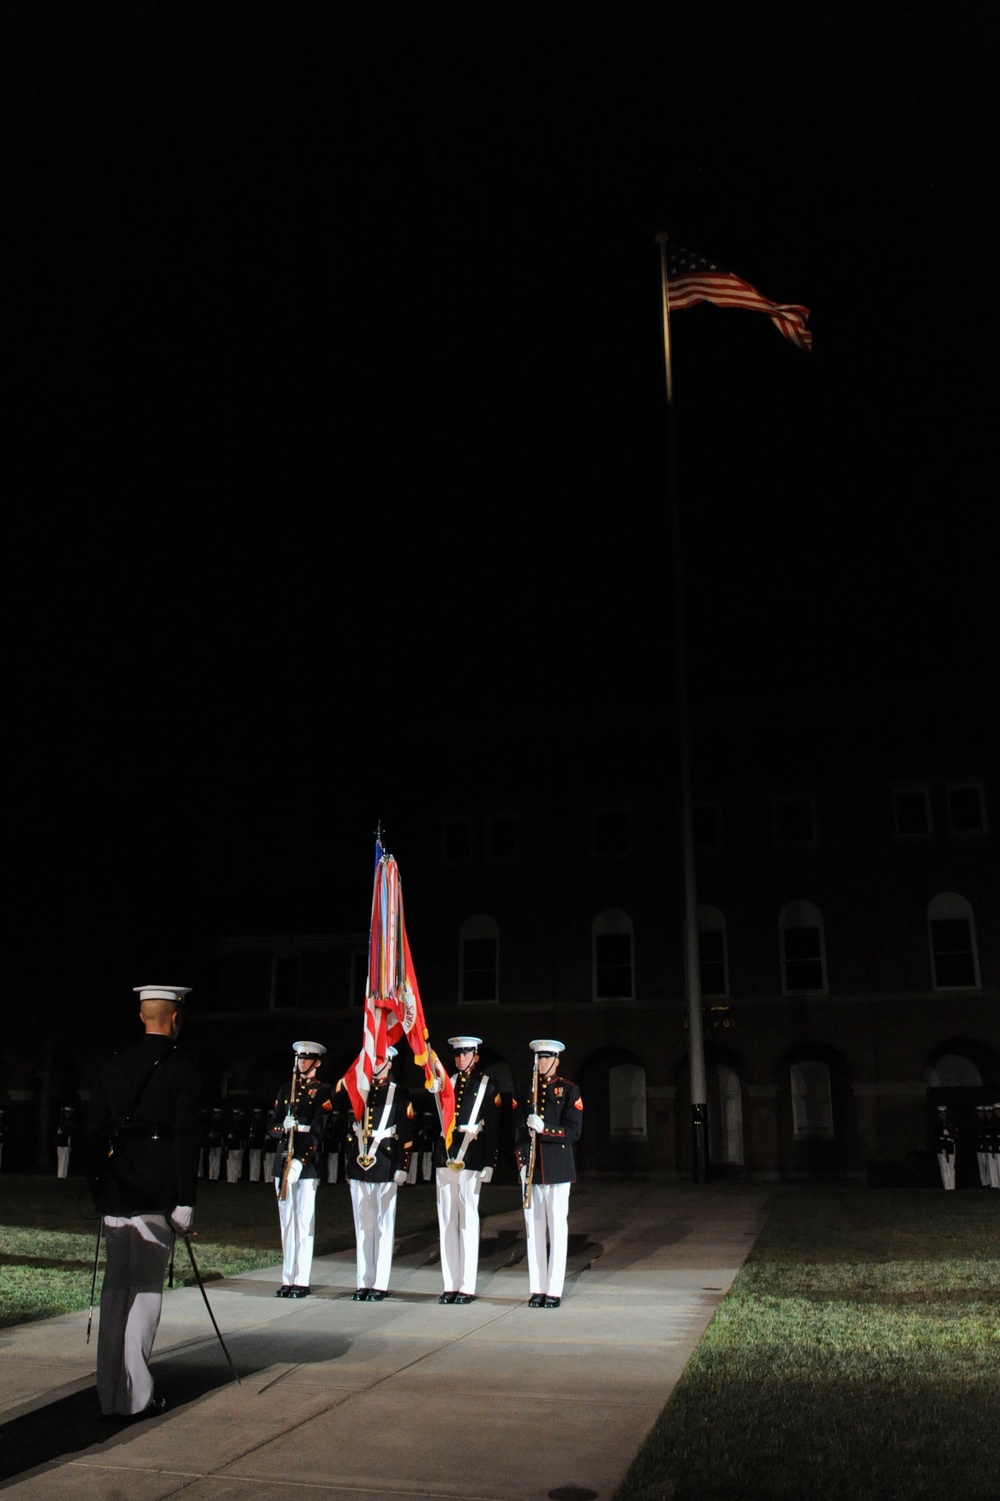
<point x="457" y="1162"/>
<point x="366" y="1156"/>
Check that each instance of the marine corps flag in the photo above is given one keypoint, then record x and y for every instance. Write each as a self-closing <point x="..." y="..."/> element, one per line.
<point x="393" y="1008"/>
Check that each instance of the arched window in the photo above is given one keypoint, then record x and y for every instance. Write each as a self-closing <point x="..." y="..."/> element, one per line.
<point x="627" y="1088"/>
<point x="725" y="1115"/>
<point x="803" y="954"/>
<point x="478" y="960"/>
<point x="954" y="962"/>
<point x="713" y="955"/>
<point x="812" y="1101"/>
<point x="613" y="956"/>
<point x="953" y="1071"/>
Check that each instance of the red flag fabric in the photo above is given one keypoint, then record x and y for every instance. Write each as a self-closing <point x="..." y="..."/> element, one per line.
<point x="691" y="278"/>
<point x="393" y="1008"/>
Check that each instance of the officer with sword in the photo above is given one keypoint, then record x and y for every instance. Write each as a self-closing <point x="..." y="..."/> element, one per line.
<point x="462" y="1168"/>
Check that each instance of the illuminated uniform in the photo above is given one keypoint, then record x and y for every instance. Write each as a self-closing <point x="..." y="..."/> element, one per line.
<point x="377" y="1159"/>
<point x="472" y="1158"/>
<point x="297" y="1210"/>
<point x="560" y="1109"/>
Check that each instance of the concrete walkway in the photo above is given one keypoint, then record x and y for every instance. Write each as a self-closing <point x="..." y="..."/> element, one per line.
<point x="390" y="1401"/>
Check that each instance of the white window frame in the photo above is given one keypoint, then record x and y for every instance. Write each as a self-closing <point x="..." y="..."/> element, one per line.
<point x="812" y="1100"/>
<point x="711" y="920"/>
<point x="793" y="917"/>
<point x="627" y="1096"/>
<point x="951" y="906"/>
<point x="612" y="923"/>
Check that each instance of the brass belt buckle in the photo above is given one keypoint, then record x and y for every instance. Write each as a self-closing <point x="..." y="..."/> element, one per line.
<point x="365" y="1161"/>
<point x="455" y="1164"/>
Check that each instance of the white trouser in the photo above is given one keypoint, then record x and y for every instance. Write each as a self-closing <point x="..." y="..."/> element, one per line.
<point x="947" y="1166"/>
<point x="995" y="1169"/>
<point x="458" y="1222"/>
<point x="255" y="1154"/>
<point x="983" y="1159"/>
<point x="297" y="1215"/>
<point x="234" y="1165"/>
<point x="137" y="1250"/>
<point x="547" y="1216"/>
<point x="62" y="1162"/>
<point x="374" y="1206"/>
<point x="269" y="1167"/>
<point x="214" y="1162"/>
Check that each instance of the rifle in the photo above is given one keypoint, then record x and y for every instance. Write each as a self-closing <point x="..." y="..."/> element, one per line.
<point x="290" y="1150"/>
<point x="534" y="1137"/>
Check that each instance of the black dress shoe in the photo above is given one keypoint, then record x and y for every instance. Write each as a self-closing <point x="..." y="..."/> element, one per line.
<point x="448" y="1298"/>
<point x="464" y="1298"/>
<point x="361" y="1296"/>
<point x="376" y="1294"/>
<point x="536" y="1301"/>
<point x="284" y="1291"/>
<point x="298" y="1292"/>
<point x="551" y="1302"/>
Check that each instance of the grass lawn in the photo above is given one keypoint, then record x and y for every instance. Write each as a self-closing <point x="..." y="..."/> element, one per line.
<point x="48" y="1232"/>
<point x="856" y="1357"/>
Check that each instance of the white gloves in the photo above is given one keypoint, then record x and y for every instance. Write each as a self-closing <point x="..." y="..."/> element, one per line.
<point x="535" y="1123"/>
<point x="399" y="1176"/>
<point x="181" y="1218"/>
<point x="289" y="1123"/>
<point x="485" y="1174"/>
<point x="294" y="1171"/>
<point x="473" y="1130"/>
<point x="435" y="1085"/>
<point x="524" y="1177"/>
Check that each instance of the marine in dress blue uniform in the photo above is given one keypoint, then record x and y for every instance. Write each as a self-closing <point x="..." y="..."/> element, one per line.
<point x="143" y="1140"/>
<point x="297" y="1127"/>
<point x="463" y="1168"/>
<point x="377" y="1162"/>
<point x="555" y="1124"/>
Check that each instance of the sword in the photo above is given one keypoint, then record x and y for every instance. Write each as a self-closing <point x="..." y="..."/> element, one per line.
<point x="201" y="1287"/>
<point x="93" y="1280"/>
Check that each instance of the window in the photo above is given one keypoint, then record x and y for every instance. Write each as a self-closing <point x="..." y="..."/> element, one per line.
<point x="456" y="840"/>
<point x="794" y="819"/>
<point x="954" y="963"/>
<point x="812" y="1102"/>
<point x="284" y="981"/>
<point x="627" y="1087"/>
<point x="725" y="1115"/>
<point x="911" y="809"/>
<point x="610" y="831"/>
<point x="966" y="809"/>
<point x="501" y="837"/>
<point x="803" y="962"/>
<point x="953" y="1071"/>
<point x="712" y="957"/>
<point x="479" y="978"/>
<point x="706" y="819"/>
<point x="613" y="956"/>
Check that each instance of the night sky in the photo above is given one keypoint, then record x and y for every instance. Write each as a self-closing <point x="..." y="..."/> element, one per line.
<point x="336" y="367"/>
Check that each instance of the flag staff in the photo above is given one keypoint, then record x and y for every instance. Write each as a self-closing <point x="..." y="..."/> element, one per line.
<point x="696" y="1041"/>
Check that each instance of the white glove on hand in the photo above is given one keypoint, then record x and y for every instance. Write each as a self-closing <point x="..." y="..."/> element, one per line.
<point x="181" y="1218"/>
<point x="485" y="1174"/>
<point x="294" y="1171"/>
<point x="435" y="1085"/>
<point x="472" y="1130"/>
<point x="535" y="1123"/>
<point x="399" y="1176"/>
<point x="524" y="1177"/>
<point x="289" y="1123"/>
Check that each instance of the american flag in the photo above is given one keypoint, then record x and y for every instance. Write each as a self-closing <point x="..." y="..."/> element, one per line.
<point x="691" y="278"/>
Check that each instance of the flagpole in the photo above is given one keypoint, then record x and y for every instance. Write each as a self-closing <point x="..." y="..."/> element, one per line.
<point x="696" y="1042"/>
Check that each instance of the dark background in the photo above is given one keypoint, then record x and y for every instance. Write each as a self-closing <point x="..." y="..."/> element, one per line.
<point x="336" y="371"/>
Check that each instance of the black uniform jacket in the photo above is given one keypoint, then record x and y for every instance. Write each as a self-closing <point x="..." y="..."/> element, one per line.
<point x="313" y="1104"/>
<point x="391" y="1153"/>
<point x="482" y="1149"/>
<point x="144" y="1133"/>
<point x="561" y="1108"/>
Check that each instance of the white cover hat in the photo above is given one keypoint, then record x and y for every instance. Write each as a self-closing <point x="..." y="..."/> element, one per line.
<point x="309" y="1049"/>
<point x="546" y="1045"/>
<point x="467" y="1043"/>
<point x="161" y="992"/>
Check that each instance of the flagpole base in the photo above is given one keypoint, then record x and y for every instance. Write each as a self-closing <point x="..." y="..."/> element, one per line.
<point x="699" y="1142"/>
